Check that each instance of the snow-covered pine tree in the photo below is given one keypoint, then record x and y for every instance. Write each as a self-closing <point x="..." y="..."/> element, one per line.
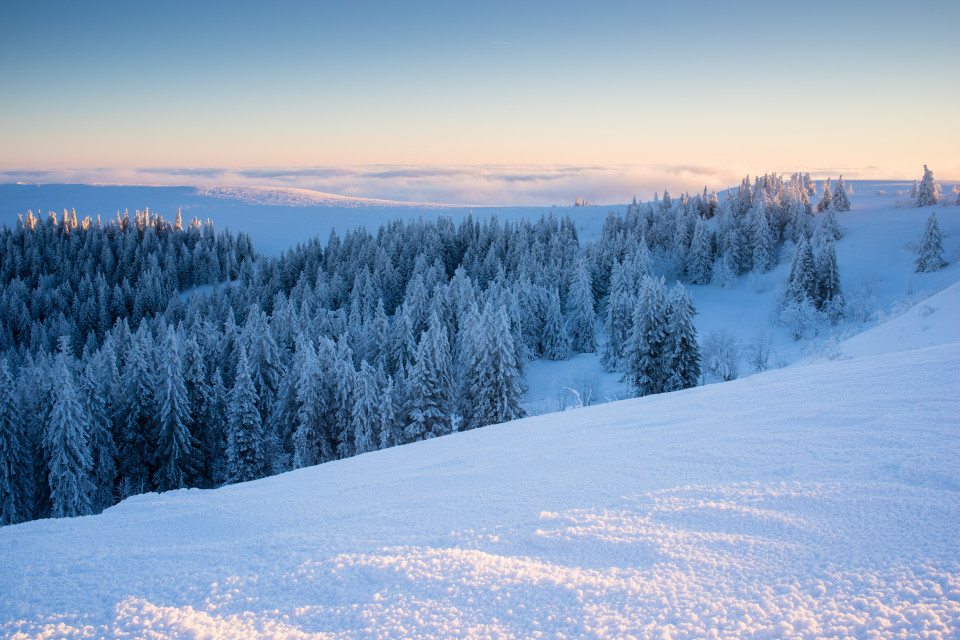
<point x="136" y="441"/>
<point x="493" y="386"/>
<point x="644" y="350"/>
<point x="829" y="294"/>
<point x="95" y="388"/>
<point x="826" y="198"/>
<point x="366" y="410"/>
<point x="245" y="431"/>
<point x="15" y="463"/>
<point x="389" y="428"/>
<point x="311" y="406"/>
<point x="829" y="228"/>
<point x="928" y="193"/>
<point x="681" y="349"/>
<point x="801" y="220"/>
<point x="840" y="200"/>
<point x="700" y="257"/>
<point x="581" y="318"/>
<point x="763" y="241"/>
<point x="554" y="342"/>
<point x="70" y="462"/>
<point x="930" y="248"/>
<point x="176" y="448"/>
<point x="802" y="281"/>
<point x="430" y="396"/>
<point x="619" y="317"/>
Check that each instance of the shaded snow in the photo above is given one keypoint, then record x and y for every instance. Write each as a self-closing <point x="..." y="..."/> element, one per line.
<point x="805" y="502"/>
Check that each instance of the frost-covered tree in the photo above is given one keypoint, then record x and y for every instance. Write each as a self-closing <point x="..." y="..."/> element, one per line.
<point x="829" y="294"/>
<point x="764" y="242"/>
<point x="681" y="350"/>
<point x="645" y="348"/>
<point x="555" y="343"/>
<point x="928" y="193"/>
<point x="700" y="256"/>
<point x="176" y="449"/>
<point x="138" y="430"/>
<point x="311" y="406"/>
<point x="15" y="471"/>
<point x="430" y="386"/>
<point x="930" y="247"/>
<point x="840" y="201"/>
<point x="245" y="431"/>
<point x="829" y="229"/>
<point x="619" y="317"/>
<point x="67" y="445"/>
<point x="366" y="410"/>
<point x="826" y="198"/>
<point x="95" y="388"/>
<point x="802" y="280"/>
<point x="390" y="430"/>
<point x="581" y="318"/>
<point x="492" y="390"/>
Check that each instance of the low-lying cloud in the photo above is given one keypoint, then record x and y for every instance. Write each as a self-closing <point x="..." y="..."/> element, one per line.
<point x="457" y="184"/>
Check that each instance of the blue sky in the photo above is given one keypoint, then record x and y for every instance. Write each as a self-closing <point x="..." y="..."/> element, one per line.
<point x="762" y="86"/>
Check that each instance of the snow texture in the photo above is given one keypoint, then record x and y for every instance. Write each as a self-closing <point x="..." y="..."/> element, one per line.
<point x="815" y="501"/>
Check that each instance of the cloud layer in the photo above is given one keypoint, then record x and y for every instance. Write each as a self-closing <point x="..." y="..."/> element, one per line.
<point x="453" y="184"/>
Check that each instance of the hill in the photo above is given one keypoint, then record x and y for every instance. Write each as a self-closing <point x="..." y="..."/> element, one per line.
<point x="812" y="501"/>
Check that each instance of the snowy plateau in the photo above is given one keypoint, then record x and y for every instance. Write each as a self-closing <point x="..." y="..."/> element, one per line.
<point x="820" y="499"/>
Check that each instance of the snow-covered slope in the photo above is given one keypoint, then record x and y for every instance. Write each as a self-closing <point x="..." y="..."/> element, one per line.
<point x="292" y="197"/>
<point x="815" y="501"/>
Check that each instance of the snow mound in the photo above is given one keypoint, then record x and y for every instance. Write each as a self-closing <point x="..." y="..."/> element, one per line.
<point x="292" y="197"/>
<point x="934" y="321"/>
<point x="815" y="501"/>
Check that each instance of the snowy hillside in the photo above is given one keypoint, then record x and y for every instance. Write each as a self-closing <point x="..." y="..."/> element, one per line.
<point x="815" y="501"/>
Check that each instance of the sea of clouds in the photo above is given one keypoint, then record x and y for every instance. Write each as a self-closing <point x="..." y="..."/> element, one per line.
<point x="452" y="184"/>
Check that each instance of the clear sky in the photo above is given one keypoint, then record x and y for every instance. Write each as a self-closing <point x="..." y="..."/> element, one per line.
<point x="765" y="85"/>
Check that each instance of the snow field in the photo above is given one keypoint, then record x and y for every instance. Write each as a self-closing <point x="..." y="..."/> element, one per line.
<point x="817" y="501"/>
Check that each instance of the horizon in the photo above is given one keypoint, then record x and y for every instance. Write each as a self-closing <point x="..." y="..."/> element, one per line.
<point x="466" y="185"/>
<point x="737" y="89"/>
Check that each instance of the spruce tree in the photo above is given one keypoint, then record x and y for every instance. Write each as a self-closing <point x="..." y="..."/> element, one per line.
<point x="829" y="293"/>
<point x="928" y="192"/>
<point x="245" y="431"/>
<point x="802" y="281"/>
<point x="681" y="349"/>
<point x="493" y="388"/>
<point x="700" y="257"/>
<point x="826" y="198"/>
<point x="430" y="386"/>
<point x="366" y="410"/>
<point x="176" y="448"/>
<point x="70" y="462"/>
<point x="840" y="202"/>
<point x="390" y="429"/>
<point x="619" y="318"/>
<point x="645" y="348"/>
<point x="764" y="243"/>
<point x="581" y="319"/>
<point x="95" y="390"/>
<point x="554" y="342"/>
<point x="930" y="249"/>
<point x="15" y="463"/>
<point x="311" y="406"/>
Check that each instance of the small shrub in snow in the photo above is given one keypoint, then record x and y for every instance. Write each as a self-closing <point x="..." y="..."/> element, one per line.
<point x="760" y="353"/>
<point x="861" y="302"/>
<point x="722" y="352"/>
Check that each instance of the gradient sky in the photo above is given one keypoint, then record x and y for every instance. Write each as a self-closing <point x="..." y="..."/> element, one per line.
<point x="768" y="85"/>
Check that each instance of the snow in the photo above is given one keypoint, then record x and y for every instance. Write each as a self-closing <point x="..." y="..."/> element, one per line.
<point x="811" y="501"/>
<point x="816" y="500"/>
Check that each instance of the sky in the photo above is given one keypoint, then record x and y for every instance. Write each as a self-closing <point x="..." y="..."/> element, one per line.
<point x="104" y="90"/>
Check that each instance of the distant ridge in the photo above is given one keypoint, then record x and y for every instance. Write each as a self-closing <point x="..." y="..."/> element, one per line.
<point x="294" y="197"/>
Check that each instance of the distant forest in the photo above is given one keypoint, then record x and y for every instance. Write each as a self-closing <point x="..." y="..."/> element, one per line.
<point x="143" y="355"/>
